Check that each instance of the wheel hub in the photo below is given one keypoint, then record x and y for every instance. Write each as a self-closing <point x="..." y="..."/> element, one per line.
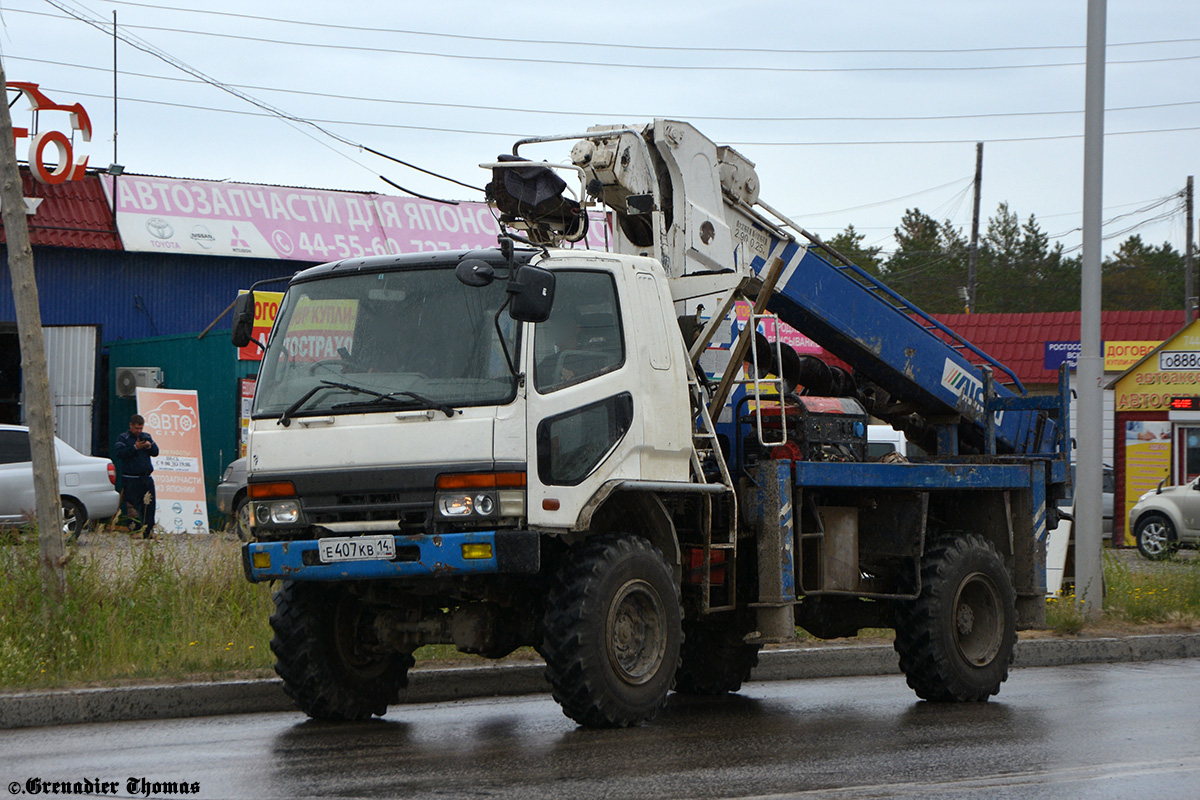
<point x="1154" y="538"/>
<point x="978" y="619"/>
<point x="636" y="640"/>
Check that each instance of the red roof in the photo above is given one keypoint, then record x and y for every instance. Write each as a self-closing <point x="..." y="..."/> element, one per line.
<point x="71" y="214"/>
<point x="1018" y="340"/>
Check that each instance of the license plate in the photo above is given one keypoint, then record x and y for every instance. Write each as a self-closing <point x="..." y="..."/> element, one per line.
<point x="356" y="548"/>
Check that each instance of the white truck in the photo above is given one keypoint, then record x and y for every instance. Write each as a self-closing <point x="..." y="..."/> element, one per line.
<point x="516" y="447"/>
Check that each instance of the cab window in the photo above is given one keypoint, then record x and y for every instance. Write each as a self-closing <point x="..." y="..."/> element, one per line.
<point x="582" y="338"/>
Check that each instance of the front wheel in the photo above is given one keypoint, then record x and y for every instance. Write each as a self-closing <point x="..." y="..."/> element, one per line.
<point x="956" y="639"/>
<point x="327" y="654"/>
<point x="1155" y="537"/>
<point x="612" y="632"/>
<point x="241" y="518"/>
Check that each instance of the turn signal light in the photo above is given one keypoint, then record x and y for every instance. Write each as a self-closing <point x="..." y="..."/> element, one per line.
<point x="482" y="480"/>
<point x="276" y="489"/>
<point x="262" y="560"/>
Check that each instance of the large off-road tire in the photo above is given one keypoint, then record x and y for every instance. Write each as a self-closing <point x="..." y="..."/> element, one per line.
<point x="612" y="632"/>
<point x="322" y="649"/>
<point x="1155" y="537"/>
<point x="716" y="659"/>
<point x="956" y="639"/>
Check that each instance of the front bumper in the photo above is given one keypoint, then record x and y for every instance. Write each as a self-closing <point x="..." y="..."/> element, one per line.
<point x="425" y="555"/>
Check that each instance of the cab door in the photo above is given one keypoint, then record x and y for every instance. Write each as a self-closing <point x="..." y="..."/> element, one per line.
<point x="582" y="422"/>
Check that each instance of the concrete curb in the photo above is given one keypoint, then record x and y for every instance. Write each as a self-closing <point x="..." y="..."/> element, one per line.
<point x="36" y="709"/>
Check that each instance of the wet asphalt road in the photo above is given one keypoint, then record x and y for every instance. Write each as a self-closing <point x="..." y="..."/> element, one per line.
<point x="1099" y="731"/>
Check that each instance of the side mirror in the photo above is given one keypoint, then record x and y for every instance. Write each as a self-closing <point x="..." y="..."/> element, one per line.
<point x="243" y="319"/>
<point x="532" y="291"/>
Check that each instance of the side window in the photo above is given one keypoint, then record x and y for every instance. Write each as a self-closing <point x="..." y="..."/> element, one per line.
<point x="582" y="338"/>
<point x="14" y="447"/>
<point x="573" y="444"/>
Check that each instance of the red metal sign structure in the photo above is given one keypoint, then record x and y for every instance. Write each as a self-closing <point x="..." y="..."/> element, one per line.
<point x="68" y="168"/>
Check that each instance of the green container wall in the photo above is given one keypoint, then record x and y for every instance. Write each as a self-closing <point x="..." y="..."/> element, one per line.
<point x="210" y="367"/>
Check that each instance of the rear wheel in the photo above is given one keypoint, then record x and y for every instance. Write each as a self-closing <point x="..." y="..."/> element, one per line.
<point x="74" y="518"/>
<point x="956" y="639"/>
<point x="1155" y="537"/>
<point x="612" y="632"/>
<point x="327" y="655"/>
<point x="716" y="658"/>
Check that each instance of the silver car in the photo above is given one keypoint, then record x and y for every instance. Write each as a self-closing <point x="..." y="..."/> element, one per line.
<point x="1108" y="485"/>
<point x="231" y="498"/>
<point x="1165" y="519"/>
<point x="85" y="483"/>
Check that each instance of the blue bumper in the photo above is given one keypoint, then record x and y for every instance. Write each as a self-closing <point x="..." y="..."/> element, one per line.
<point x="426" y="555"/>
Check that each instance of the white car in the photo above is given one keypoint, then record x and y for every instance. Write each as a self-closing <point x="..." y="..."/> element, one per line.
<point x="1166" y="519"/>
<point x="85" y="483"/>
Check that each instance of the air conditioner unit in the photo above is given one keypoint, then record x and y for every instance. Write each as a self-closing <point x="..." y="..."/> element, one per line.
<point x="129" y="378"/>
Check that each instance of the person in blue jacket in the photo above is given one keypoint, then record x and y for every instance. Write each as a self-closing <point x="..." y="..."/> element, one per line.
<point x="133" y="451"/>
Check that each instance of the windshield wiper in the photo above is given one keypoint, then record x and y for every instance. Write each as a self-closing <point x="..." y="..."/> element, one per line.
<point x="381" y="397"/>
<point x="285" y="418"/>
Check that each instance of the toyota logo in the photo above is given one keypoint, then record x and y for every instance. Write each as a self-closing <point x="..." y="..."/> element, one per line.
<point x="159" y="228"/>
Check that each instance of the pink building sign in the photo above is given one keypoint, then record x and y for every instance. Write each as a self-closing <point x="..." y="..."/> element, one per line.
<point x="237" y="219"/>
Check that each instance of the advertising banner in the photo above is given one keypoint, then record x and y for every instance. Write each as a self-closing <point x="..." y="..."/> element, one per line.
<point x="1174" y="373"/>
<point x="173" y="420"/>
<point x="1120" y="356"/>
<point x="1147" y="461"/>
<point x="246" y="401"/>
<point x="158" y="215"/>
<point x="1054" y="354"/>
<point x="266" y="306"/>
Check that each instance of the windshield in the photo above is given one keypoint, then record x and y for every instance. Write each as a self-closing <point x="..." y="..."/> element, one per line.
<point x="415" y="338"/>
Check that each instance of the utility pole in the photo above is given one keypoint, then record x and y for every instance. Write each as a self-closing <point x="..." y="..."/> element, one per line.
<point x="1189" y="275"/>
<point x="35" y="380"/>
<point x="973" y="257"/>
<point x="1090" y="370"/>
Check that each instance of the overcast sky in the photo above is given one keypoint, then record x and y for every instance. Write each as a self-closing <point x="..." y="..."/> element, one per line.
<point x="853" y="110"/>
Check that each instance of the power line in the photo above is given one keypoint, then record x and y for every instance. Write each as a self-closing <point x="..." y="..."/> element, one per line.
<point x="318" y="122"/>
<point x="1149" y="207"/>
<point x="608" y="115"/>
<point x="884" y="202"/>
<point x="607" y="64"/>
<point x="958" y="141"/>
<point x="150" y="49"/>
<point x="625" y="46"/>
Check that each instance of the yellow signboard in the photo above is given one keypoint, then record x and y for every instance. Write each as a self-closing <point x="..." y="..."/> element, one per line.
<point x="1120" y="356"/>
<point x="1172" y="371"/>
<point x="1147" y="461"/>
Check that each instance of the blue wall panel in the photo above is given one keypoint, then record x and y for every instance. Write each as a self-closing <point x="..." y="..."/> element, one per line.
<point x="137" y="295"/>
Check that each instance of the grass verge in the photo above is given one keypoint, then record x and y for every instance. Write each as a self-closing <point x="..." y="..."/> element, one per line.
<point x="133" y="610"/>
<point x="1137" y="593"/>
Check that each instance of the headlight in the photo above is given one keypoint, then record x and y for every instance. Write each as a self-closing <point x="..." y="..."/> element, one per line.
<point x="467" y="504"/>
<point x="481" y="505"/>
<point x="279" y="512"/>
<point x="285" y="512"/>
<point x="455" y="505"/>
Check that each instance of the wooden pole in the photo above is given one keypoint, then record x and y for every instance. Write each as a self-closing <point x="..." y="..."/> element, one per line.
<point x="1189" y="273"/>
<point x="973" y="256"/>
<point x="39" y="413"/>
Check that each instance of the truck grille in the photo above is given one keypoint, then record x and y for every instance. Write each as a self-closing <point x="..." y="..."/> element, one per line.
<point x="369" y="507"/>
